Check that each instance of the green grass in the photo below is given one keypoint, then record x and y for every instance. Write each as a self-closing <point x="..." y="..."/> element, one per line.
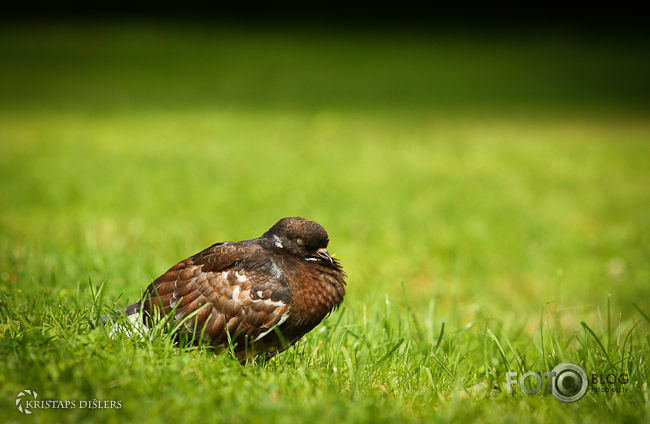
<point x="488" y="195"/>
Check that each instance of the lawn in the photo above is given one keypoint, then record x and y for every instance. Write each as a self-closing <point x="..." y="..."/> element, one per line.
<point x="488" y="195"/>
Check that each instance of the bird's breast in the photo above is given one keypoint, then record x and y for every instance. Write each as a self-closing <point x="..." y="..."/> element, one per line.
<point x="315" y="292"/>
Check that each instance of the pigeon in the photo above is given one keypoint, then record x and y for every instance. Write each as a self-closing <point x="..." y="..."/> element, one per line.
<point x="256" y="297"/>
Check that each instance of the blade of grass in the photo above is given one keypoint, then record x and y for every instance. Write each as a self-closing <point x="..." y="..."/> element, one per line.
<point x="453" y="377"/>
<point x="442" y="331"/>
<point x="641" y="312"/>
<point x="503" y="354"/>
<point x="390" y="352"/>
<point x="589" y="330"/>
<point x="541" y="334"/>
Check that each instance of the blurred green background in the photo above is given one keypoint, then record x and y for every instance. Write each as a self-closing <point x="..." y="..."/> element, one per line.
<point x="492" y="171"/>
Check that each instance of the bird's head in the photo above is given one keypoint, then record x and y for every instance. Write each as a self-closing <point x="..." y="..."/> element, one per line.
<point x="301" y="237"/>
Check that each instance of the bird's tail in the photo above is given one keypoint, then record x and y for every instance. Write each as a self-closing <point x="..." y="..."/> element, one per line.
<point x="134" y="325"/>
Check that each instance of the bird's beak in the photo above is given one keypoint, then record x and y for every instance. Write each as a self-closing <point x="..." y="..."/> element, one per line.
<point x="323" y="253"/>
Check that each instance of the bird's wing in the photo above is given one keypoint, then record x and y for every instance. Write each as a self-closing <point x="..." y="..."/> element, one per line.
<point x="243" y="290"/>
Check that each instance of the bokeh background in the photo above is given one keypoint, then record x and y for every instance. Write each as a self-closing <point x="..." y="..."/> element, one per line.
<point x="490" y="166"/>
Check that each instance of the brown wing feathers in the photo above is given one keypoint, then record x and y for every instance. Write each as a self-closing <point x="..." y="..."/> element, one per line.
<point x="235" y="302"/>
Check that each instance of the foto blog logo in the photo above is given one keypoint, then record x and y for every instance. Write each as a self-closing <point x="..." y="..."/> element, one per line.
<point x="19" y="400"/>
<point x="568" y="382"/>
